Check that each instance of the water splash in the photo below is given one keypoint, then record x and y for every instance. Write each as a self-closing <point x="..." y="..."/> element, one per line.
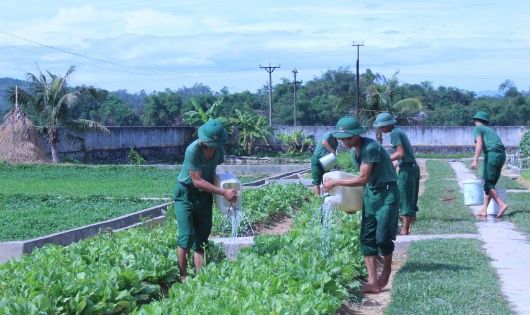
<point x="233" y="220"/>
<point x="326" y="219"/>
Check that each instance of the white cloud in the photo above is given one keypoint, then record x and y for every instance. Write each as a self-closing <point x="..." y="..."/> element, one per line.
<point x="127" y="44"/>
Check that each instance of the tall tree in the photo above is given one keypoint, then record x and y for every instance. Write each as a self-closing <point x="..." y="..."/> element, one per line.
<point x="162" y="109"/>
<point x="49" y="99"/>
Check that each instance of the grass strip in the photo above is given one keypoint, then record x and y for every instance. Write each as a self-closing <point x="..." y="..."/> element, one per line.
<point x="25" y="217"/>
<point x="447" y="276"/>
<point x="87" y="180"/>
<point x="525" y="174"/>
<point x="518" y="212"/>
<point x="442" y="209"/>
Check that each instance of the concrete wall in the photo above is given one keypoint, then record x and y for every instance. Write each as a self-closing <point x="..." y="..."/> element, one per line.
<point x="428" y="135"/>
<point x="157" y="143"/>
<point x="168" y="144"/>
<point x="431" y="139"/>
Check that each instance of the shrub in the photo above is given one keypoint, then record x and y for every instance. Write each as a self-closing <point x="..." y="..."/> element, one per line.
<point x="135" y="158"/>
<point x="524" y="145"/>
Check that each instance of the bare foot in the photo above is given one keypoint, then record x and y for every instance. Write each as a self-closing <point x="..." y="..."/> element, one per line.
<point x="370" y="288"/>
<point x="383" y="278"/>
<point x="501" y="211"/>
<point x="481" y="214"/>
<point x="404" y="232"/>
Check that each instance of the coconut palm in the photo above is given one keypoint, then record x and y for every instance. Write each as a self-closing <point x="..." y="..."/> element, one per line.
<point x="49" y="99"/>
<point x="380" y="97"/>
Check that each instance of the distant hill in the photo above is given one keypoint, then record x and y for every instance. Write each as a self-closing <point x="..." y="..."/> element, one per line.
<point x="489" y="93"/>
<point x="6" y="83"/>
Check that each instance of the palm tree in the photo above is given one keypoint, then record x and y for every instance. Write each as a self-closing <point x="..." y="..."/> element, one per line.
<point x="49" y="99"/>
<point x="379" y="97"/>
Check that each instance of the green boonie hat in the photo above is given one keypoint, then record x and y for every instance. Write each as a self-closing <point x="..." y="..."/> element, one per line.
<point x="213" y="133"/>
<point x="482" y="116"/>
<point x="348" y="127"/>
<point x="384" y="119"/>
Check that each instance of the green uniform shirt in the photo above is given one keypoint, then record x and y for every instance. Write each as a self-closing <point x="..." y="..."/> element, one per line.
<point x="398" y="137"/>
<point x="492" y="141"/>
<point x="194" y="160"/>
<point x="320" y="150"/>
<point x="382" y="169"/>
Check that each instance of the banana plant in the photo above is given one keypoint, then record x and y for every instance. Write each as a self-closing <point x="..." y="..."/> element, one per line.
<point x="251" y="128"/>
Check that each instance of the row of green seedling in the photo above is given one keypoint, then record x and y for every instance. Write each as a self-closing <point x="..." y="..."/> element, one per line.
<point x="108" y="274"/>
<point x="302" y="272"/>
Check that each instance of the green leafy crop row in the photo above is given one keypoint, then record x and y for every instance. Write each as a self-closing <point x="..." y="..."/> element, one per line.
<point x="303" y="272"/>
<point x="118" y="272"/>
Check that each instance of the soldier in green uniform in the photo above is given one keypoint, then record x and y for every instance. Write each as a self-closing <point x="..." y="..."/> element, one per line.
<point x="409" y="171"/>
<point x="489" y="142"/>
<point x="193" y="193"/>
<point x="381" y="199"/>
<point x="328" y="145"/>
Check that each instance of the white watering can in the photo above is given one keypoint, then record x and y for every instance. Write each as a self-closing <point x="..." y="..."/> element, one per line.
<point x="344" y="198"/>
<point x="227" y="181"/>
<point x="328" y="161"/>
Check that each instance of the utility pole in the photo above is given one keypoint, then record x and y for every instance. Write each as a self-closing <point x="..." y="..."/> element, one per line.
<point x="294" y="94"/>
<point x="357" y="69"/>
<point x="270" y="69"/>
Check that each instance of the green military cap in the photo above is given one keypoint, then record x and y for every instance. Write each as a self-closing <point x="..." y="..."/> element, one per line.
<point x="483" y="116"/>
<point x="348" y="127"/>
<point x="384" y="119"/>
<point x="213" y="133"/>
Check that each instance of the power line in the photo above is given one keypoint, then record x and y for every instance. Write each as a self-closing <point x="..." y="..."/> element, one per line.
<point x="357" y="77"/>
<point x="270" y="69"/>
<point x="294" y="95"/>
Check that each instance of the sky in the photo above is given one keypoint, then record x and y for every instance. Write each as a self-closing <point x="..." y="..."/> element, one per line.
<point x="473" y="45"/>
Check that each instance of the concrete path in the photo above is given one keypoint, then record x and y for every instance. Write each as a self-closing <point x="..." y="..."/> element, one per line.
<point x="507" y="247"/>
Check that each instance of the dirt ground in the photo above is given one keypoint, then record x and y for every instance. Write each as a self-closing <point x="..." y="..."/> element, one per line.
<point x="372" y="304"/>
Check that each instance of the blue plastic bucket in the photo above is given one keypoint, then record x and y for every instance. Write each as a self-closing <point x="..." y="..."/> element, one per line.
<point x="473" y="193"/>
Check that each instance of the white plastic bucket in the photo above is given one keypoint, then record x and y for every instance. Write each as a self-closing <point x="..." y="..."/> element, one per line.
<point x="347" y="199"/>
<point x="473" y="192"/>
<point x="328" y="161"/>
<point x="227" y="181"/>
<point x="493" y="207"/>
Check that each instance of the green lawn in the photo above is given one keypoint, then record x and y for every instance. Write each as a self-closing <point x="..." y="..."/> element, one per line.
<point x="87" y="180"/>
<point x="447" y="276"/>
<point x="37" y="200"/>
<point x="451" y="276"/>
<point x="442" y="209"/>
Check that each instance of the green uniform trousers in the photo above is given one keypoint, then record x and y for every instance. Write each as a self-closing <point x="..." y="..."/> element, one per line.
<point x="379" y="220"/>
<point x="317" y="171"/>
<point x="409" y="187"/>
<point x="493" y="163"/>
<point x="193" y="211"/>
